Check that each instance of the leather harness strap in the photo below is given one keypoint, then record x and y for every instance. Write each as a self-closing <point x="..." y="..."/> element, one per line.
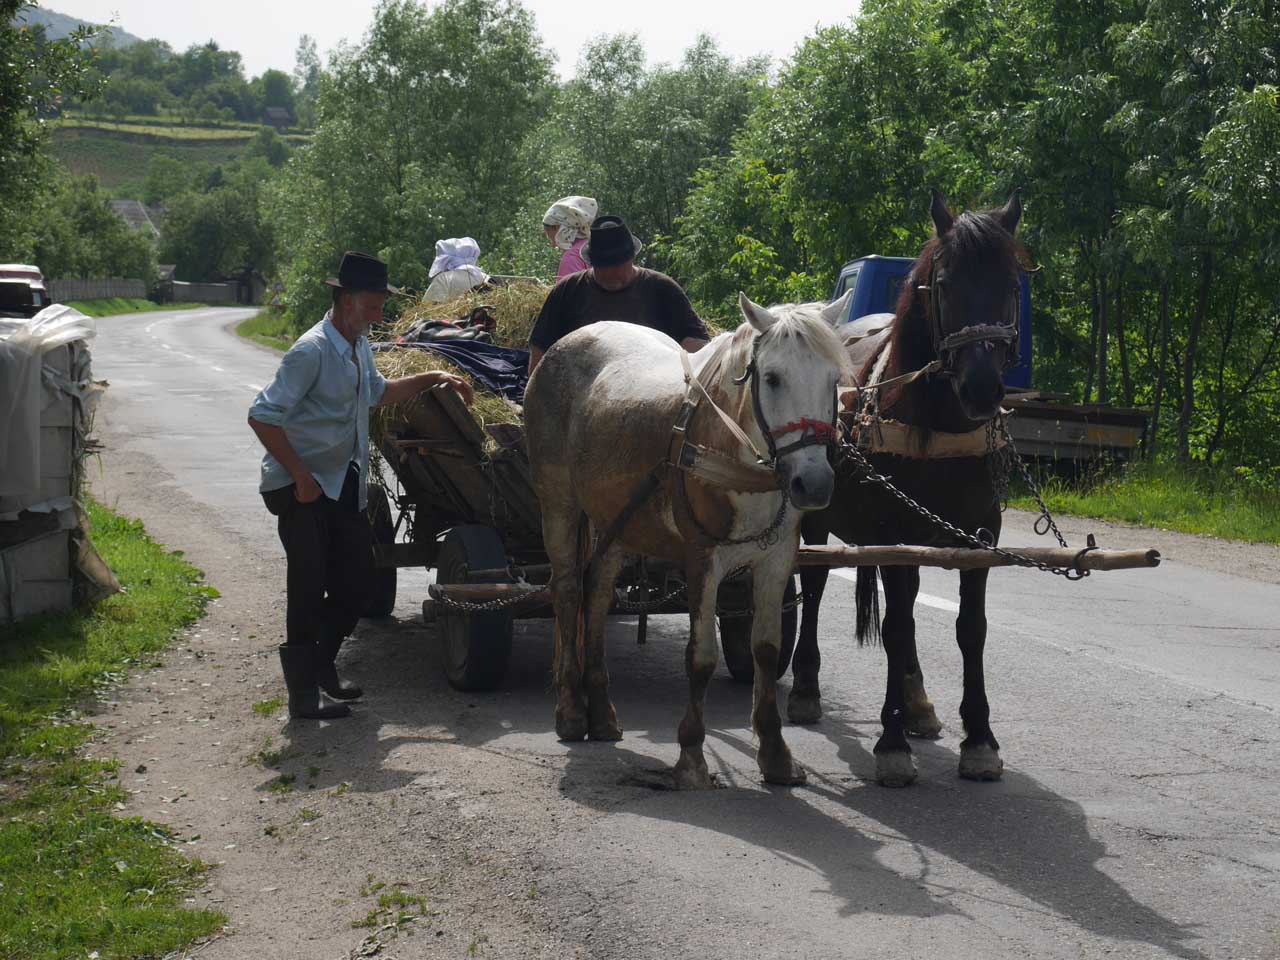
<point x="874" y="434"/>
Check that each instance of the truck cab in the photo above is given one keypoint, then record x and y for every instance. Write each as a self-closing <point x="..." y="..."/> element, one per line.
<point x="877" y="281"/>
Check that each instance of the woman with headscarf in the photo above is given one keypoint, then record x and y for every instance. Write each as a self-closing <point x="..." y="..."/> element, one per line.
<point x="567" y="223"/>
<point x="454" y="270"/>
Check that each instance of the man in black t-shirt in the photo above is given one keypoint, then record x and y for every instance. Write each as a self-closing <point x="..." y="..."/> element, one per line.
<point x="615" y="289"/>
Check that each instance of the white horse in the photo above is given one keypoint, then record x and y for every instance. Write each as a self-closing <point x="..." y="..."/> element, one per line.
<point x="599" y="416"/>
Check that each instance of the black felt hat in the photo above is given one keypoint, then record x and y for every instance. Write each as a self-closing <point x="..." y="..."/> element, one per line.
<point x="611" y="243"/>
<point x="359" y="271"/>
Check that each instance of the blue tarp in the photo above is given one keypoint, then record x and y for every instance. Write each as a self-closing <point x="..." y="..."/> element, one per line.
<point x="503" y="370"/>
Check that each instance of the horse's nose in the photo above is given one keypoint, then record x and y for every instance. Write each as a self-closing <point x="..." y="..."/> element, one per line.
<point x="811" y="489"/>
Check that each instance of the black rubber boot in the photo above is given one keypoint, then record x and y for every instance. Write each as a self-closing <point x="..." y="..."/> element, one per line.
<point x="305" y="699"/>
<point x="327" y="673"/>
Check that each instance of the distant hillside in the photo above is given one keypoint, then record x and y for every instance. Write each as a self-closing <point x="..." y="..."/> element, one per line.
<point x="59" y="25"/>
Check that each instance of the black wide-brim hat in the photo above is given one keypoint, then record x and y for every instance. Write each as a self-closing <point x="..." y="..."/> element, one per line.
<point x="611" y="243"/>
<point x="359" y="271"/>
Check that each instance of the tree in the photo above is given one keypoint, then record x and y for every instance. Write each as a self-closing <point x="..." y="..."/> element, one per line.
<point x="413" y="142"/>
<point x="219" y="233"/>
<point x="77" y="234"/>
<point x="36" y="76"/>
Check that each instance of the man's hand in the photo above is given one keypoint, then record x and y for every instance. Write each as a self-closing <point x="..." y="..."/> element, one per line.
<point x="460" y="384"/>
<point x="406" y="388"/>
<point x="305" y="488"/>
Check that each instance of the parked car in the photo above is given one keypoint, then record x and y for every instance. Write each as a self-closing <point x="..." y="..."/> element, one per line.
<point x="22" y="291"/>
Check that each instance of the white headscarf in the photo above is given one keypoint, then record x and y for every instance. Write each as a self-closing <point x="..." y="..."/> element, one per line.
<point x="573" y="216"/>
<point x="454" y="253"/>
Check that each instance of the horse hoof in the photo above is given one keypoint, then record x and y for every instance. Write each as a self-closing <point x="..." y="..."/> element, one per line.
<point x="922" y="720"/>
<point x="980" y="763"/>
<point x="570" y="727"/>
<point x="791" y="775"/>
<point x="804" y="709"/>
<point x="605" y="731"/>
<point x="923" y="724"/>
<point x="895" y="769"/>
<point x="692" y="776"/>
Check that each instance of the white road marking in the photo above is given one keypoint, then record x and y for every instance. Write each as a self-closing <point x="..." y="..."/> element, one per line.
<point x="253" y="386"/>
<point x="166" y="346"/>
<point x="928" y="599"/>
<point x="219" y="369"/>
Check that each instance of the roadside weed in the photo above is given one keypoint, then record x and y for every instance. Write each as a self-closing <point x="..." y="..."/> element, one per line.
<point x="101" y="882"/>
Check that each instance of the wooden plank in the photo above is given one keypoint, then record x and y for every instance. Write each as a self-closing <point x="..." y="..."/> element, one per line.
<point x="965" y="558"/>
<point x="452" y="406"/>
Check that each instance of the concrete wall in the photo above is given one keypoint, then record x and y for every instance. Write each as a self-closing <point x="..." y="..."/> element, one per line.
<point x="61" y="291"/>
<point x="203" y="292"/>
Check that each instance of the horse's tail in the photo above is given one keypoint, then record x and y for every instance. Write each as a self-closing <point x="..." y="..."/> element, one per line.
<point x="868" y="606"/>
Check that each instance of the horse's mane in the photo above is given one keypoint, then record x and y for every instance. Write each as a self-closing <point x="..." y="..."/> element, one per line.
<point x="976" y="243"/>
<point x="799" y="323"/>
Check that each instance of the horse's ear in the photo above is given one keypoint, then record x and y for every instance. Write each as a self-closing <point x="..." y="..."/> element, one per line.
<point x="833" y="312"/>
<point x="942" y="218"/>
<point x="759" y="318"/>
<point x="1011" y="213"/>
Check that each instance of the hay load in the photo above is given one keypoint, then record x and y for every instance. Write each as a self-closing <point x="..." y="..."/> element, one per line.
<point x="515" y="307"/>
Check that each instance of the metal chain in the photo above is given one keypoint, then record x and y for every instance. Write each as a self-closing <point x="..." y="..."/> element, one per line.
<point x="1045" y="516"/>
<point x="766" y="538"/>
<point x="489" y="606"/>
<point x="850" y="451"/>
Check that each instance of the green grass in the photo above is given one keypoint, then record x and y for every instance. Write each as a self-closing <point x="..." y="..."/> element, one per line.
<point x="162" y="119"/>
<point x="265" y="708"/>
<point x="119" y="161"/>
<point x="116" y="305"/>
<point x="75" y="877"/>
<point x="1211" y="502"/>
<point x="151" y="131"/>
<point x="269" y="329"/>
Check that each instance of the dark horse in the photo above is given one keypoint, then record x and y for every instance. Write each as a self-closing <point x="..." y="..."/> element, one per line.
<point x="958" y="306"/>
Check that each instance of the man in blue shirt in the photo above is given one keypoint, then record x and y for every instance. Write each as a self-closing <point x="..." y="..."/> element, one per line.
<point x="313" y="419"/>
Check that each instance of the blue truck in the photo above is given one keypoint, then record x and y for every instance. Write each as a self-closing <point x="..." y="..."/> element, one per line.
<point x="1044" y="425"/>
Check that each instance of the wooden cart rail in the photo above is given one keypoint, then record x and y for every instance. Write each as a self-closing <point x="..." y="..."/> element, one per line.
<point x="950" y="558"/>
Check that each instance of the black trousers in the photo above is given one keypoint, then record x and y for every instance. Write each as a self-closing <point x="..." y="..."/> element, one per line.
<point x="329" y="549"/>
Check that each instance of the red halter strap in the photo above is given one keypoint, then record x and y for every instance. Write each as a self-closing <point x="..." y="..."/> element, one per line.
<point x="822" y="431"/>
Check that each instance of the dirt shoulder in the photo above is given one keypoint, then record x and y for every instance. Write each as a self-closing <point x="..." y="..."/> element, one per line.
<point x="312" y="828"/>
<point x="1252" y="561"/>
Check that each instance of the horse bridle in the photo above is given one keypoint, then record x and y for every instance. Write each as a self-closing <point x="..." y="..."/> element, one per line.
<point x="812" y="432"/>
<point x="947" y="345"/>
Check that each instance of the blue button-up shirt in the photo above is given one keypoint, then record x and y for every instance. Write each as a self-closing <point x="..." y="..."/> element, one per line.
<point x="322" y="401"/>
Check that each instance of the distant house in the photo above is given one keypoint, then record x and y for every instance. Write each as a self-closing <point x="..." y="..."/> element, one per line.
<point x="135" y="215"/>
<point x="278" y="117"/>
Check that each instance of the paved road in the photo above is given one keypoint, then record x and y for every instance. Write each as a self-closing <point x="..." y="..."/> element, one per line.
<point x="1137" y="713"/>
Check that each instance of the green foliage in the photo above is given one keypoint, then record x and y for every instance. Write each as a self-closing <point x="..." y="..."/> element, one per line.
<point x="1145" y="139"/>
<point x="99" y="882"/>
<point x="413" y="142"/>
<point x="219" y="231"/>
<point x="631" y="136"/>
<point x="73" y="232"/>
<point x="1240" y="504"/>
<point x="269" y="328"/>
<point x="35" y="74"/>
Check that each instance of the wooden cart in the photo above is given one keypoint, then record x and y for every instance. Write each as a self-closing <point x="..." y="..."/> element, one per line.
<point x="467" y="508"/>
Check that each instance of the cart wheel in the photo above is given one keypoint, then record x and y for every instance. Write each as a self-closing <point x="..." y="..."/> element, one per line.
<point x="476" y="645"/>
<point x="382" y="592"/>
<point x="735" y="631"/>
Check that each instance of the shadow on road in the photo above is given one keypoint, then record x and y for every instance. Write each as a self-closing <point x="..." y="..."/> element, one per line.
<point x="1017" y="833"/>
